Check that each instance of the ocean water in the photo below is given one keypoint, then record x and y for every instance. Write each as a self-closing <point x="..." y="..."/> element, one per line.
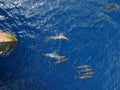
<point x="94" y="40"/>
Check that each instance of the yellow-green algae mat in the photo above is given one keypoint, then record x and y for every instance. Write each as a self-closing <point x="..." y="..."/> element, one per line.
<point x="7" y="42"/>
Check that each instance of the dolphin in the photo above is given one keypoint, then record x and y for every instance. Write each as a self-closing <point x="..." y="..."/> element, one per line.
<point x="84" y="70"/>
<point x="82" y="67"/>
<point x="61" y="61"/>
<point x="89" y="73"/>
<point x="53" y="55"/>
<point x="57" y="62"/>
<point x="112" y="7"/>
<point x="83" y="77"/>
<point x="59" y="37"/>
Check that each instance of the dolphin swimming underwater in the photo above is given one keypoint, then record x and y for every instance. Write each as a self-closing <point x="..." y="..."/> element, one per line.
<point x="82" y="67"/>
<point x="53" y="55"/>
<point x="83" y="77"/>
<point x="89" y="73"/>
<point x="61" y="61"/>
<point x="84" y="70"/>
<point x="57" y="62"/>
<point x="58" y="37"/>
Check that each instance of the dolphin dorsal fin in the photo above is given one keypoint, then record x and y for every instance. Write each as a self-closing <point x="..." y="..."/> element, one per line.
<point x="61" y="34"/>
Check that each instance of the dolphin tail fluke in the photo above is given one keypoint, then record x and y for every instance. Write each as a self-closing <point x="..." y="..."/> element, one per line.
<point x="42" y="54"/>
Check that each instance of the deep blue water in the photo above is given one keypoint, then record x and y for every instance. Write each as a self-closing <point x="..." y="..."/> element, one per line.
<point x="92" y="43"/>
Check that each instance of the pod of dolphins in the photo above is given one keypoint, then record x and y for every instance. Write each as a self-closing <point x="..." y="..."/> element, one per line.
<point x="82" y="71"/>
<point x="54" y="55"/>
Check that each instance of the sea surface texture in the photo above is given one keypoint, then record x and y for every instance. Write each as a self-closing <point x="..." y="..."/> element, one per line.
<point x="93" y="31"/>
